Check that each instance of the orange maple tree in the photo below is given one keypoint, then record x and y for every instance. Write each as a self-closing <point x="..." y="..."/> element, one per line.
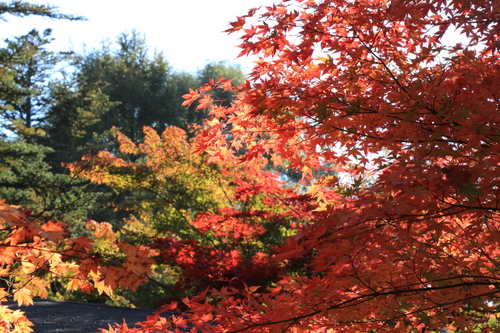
<point x="216" y="223"/>
<point x="31" y="249"/>
<point x="401" y="100"/>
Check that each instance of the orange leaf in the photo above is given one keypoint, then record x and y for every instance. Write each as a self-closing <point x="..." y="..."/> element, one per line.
<point x="204" y="102"/>
<point x="23" y="297"/>
<point x="54" y="230"/>
<point x="190" y="98"/>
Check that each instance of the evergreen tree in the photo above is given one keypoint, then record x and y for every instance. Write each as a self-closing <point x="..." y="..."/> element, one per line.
<point x="136" y="81"/>
<point x="27" y="69"/>
<point x="43" y="112"/>
<point x="26" y="180"/>
<point x="22" y="8"/>
<point x="75" y="109"/>
<point x="144" y="86"/>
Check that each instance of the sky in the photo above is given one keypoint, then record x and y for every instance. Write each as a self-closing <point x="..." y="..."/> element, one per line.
<point x="188" y="32"/>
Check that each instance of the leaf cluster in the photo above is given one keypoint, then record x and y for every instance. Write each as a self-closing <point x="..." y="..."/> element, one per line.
<point x="374" y="90"/>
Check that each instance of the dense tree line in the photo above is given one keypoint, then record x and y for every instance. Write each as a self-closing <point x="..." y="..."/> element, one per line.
<point x="55" y="107"/>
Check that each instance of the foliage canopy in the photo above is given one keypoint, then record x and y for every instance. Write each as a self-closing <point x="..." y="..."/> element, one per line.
<point x="395" y="130"/>
<point x="374" y="88"/>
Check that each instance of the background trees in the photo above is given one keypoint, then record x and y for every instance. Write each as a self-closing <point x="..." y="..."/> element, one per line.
<point x="213" y="224"/>
<point x="25" y="68"/>
<point x="68" y="103"/>
<point x="30" y="75"/>
<point x="147" y="91"/>
<point x="22" y="8"/>
<point x="27" y="180"/>
<point x="27" y="86"/>
<point x="136" y="81"/>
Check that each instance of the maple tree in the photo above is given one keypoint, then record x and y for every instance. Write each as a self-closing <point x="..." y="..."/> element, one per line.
<point x="217" y="223"/>
<point x="33" y="252"/>
<point x="406" y="235"/>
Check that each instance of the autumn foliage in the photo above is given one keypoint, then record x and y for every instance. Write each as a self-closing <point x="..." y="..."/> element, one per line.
<point x="393" y="122"/>
<point x="217" y="223"/>
<point x="382" y="94"/>
<point x="32" y="250"/>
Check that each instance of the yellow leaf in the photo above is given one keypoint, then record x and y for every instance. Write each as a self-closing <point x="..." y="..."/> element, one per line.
<point x="28" y="267"/>
<point x="3" y="295"/>
<point x="102" y="287"/>
<point x="4" y="272"/>
<point x="74" y="284"/>
<point x="23" y="297"/>
<point x="14" y="321"/>
<point x="306" y="171"/>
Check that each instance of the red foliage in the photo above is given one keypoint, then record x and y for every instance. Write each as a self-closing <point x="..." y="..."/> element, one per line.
<point x="406" y="238"/>
<point x="205" y="267"/>
<point x="227" y="223"/>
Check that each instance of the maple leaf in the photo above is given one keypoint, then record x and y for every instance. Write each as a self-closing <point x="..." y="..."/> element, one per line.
<point x="28" y="267"/>
<point x="14" y="321"/>
<point x="204" y="102"/>
<point x="85" y="287"/>
<point x="237" y="25"/>
<point x="9" y="214"/>
<point x="3" y="272"/>
<point x="355" y="97"/>
<point x="54" y="230"/>
<point x="102" y="287"/>
<point x="23" y="296"/>
<point x="190" y="98"/>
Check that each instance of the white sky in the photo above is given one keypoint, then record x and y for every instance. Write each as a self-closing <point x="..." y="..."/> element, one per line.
<point x="189" y="32"/>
